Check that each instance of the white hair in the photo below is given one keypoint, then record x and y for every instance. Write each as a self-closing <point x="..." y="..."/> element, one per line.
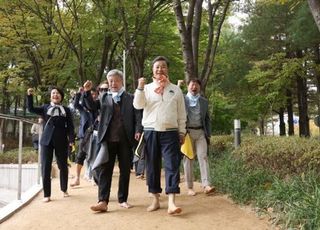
<point x="114" y="72"/>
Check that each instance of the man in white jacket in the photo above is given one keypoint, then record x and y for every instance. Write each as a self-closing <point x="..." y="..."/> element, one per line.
<point x="164" y="122"/>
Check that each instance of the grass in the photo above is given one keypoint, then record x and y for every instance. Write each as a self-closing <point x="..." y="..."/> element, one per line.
<point x="291" y="203"/>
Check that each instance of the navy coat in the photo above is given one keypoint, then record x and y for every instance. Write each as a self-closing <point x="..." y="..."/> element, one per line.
<point x="86" y="116"/>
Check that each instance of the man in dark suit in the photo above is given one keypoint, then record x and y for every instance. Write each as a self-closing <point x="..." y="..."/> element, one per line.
<point x="119" y="129"/>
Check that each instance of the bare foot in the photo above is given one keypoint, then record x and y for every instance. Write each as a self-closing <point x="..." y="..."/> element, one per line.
<point x="75" y="183"/>
<point x="100" y="207"/>
<point x="174" y="210"/>
<point x="125" y="205"/>
<point x="153" y="207"/>
<point x="66" y="194"/>
<point x="209" y="190"/>
<point x="191" y="192"/>
<point x="46" y="200"/>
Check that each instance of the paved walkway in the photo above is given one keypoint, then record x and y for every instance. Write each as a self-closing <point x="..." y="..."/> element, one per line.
<point x="213" y="212"/>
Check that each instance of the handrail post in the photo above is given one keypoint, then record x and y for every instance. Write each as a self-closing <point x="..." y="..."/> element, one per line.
<point x="39" y="154"/>
<point x="20" y="159"/>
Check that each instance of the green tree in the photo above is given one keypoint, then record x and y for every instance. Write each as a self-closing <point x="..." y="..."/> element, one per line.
<point x="199" y="28"/>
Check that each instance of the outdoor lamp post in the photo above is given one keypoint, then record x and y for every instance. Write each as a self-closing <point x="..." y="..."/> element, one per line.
<point x="237" y="133"/>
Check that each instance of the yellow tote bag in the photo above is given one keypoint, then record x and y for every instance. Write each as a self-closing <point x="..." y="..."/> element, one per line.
<point x="187" y="148"/>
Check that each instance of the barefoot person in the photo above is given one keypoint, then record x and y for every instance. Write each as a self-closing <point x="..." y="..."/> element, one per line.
<point x="87" y="119"/>
<point x="164" y="122"/>
<point x="119" y="129"/>
<point x="58" y="133"/>
<point x="199" y="129"/>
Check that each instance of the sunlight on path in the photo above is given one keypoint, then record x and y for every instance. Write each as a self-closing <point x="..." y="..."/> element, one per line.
<point x="199" y="212"/>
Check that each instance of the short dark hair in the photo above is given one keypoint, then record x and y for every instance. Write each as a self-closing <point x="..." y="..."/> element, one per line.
<point x="59" y="90"/>
<point x="161" y="58"/>
<point x="194" y="80"/>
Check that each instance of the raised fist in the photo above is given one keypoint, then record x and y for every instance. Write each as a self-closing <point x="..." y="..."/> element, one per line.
<point x="141" y="83"/>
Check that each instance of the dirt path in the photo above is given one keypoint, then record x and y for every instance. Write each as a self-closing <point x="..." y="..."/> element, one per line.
<point x="199" y="212"/>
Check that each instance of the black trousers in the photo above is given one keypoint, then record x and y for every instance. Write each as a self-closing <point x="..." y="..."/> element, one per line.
<point x="122" y="151"/>
<point x="61" y="153"/>
<point x="81" y="155"/>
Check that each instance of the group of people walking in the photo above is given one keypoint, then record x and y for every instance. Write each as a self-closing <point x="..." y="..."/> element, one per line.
<point x="159" y="110"/>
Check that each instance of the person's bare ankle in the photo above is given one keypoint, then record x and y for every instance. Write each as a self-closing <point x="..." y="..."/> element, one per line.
<point x="191" y="192"/>
<point x="76" y="182"/>
<point x="155" y="205"/>
<point x="46" y="199"/>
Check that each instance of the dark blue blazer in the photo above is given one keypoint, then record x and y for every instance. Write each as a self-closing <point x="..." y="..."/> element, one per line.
<point x="57" y="130"/>
<point x="86" y="115"/>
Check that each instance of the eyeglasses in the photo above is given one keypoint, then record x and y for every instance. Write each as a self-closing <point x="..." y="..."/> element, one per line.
<point x="103" y="89"/>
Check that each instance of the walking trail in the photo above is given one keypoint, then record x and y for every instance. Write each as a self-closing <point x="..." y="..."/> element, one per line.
<point x="214" y="212"/>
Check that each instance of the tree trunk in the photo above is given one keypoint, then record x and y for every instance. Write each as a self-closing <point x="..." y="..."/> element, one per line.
<point x="282" y="124"/>
<point x="185" y="31"/>
<point x="290" y="113"/>
<point x="136" y="36"/>
<point x="189" y="27"/>
<point x="104" y="58"/>
<point x="317" y="76"/>
<point x="314" y="6"/>
<point x="304" y="129"/>
<point x="262" y="126"/>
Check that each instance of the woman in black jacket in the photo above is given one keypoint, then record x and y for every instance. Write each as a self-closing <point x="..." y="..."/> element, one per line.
<point x="58" y="134"/>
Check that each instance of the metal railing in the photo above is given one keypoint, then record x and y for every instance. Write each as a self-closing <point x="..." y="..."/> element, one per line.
<point x="21" y="121"/>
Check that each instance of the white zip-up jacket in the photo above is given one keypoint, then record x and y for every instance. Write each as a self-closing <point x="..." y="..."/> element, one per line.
<point x="161" y="112"/>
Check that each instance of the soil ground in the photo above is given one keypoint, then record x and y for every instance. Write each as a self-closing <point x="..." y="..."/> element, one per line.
<point x="214" y="212"/>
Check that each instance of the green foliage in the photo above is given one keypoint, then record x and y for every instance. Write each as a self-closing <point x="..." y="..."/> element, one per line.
<point x="222" y="115"/>
<point x="11" y="157"/>
<point x="303" y="31"/>
<point x="230" y="175"/>
<point x="291" y="202"/>
<point x="281" y="155"/>
<point x="220" y="143"/>
<point x="265" y="31"/>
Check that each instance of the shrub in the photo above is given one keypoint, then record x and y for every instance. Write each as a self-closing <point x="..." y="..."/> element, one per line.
<point x="282" y="155"/>
<point x="230" y="175"/>
<point x="253" y="174"/>
<point x="219" y="144"/>
<point x="29" y="155"/>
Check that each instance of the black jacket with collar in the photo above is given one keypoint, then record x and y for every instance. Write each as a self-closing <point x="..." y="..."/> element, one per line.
<point x="131" y="116"/>
<point x="57" y="130"/>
